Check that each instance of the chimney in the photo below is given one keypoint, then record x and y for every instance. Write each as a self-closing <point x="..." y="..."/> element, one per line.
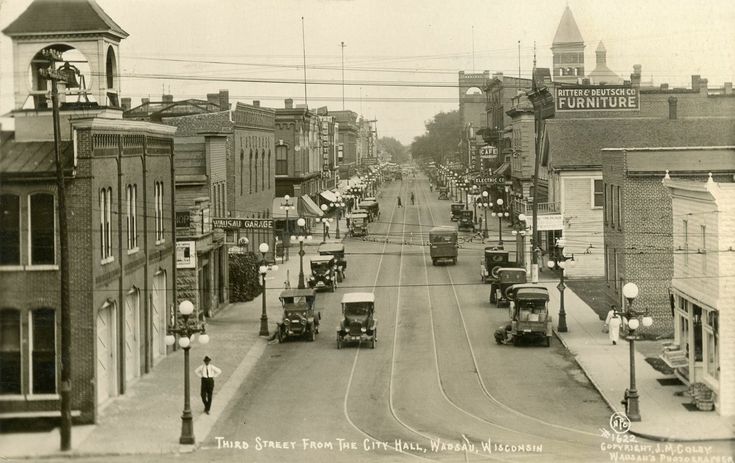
<point x="288" y="103"/>
<point x="145" y="100"/>
<point x="224" y="100"/>
<point x="695" y="82"/>
<point x="256" y="103"/>
<point x="125" y="103"/>
<point x="728" y="88"/>
<point x="635" y="78"/>
<point x="213" y="99"/>
<point x="664" y="86"/>
<point x="703" y="86"/>
<point x="672" y="107"/>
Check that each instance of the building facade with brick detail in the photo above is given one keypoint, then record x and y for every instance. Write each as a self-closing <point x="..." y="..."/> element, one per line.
<point x="703" y="287"/>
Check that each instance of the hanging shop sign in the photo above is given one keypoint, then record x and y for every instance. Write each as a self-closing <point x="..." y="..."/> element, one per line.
<point x="602" y="98"/>
<point x="488" y="152"/>
<point x="550" y="222"/>
<point x="230" y="224"/>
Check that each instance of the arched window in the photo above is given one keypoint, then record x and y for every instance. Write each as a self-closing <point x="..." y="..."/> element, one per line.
<point x="262" y="170"/>
<point x="250" y="170"/>
<point x="269" y="169"/>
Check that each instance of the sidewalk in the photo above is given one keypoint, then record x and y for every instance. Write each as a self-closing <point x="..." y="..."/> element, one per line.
<point x="663" y="417"/>
<point x="147" y="418"/>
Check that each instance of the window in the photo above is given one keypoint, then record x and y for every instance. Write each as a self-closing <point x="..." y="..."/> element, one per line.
<point x="10" y="351"/>
<point x="256" y="171"/>
<point x="281" y="160"/>
<point x="262" y="170"/>
<point x="242" y="169"/>
<point x="712" y="355"/>
<point x="269" y="169"/>
<point x="606" y="209"/>
<point x="158" y="197"/>
<point x="612" y="206"/>
<point x="43" y="355"/>
<point x="9" y="230"/>
<point x="250" y="169"/>
<point x="131" y="217"/>
<point x="618" y="209"/>
<point x="597" y="194"/>
<point x="42" y="232"/>
<point x="105" y="229"/>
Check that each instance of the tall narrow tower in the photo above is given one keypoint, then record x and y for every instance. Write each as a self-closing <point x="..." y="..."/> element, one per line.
<point x="568" y="50"/>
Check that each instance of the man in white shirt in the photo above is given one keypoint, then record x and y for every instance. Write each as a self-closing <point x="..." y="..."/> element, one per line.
<point x="207" y="372"/>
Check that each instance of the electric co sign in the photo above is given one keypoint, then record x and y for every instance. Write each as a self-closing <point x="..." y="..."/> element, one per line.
<point x="603" y="98"/>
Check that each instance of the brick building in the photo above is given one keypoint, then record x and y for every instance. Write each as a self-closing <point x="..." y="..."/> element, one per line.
<point x="120" y="198"/>
<point x="347" y="139"/>
<point x="703" y="287"/>
<point x="638" y="217"/>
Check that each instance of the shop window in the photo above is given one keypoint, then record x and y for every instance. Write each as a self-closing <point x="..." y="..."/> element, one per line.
<point x="43" y="355"/>
<point x="42" y="229"/>
<point x="697" y="332"/>
<point x="10" y="376"/>
<point x="711" y="334"/>
<point x="9" y="229"/>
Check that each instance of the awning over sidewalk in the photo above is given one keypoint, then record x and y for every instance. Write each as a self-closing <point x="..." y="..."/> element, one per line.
<point x="502" y="169"/>
<point x="308" y="208"/>
<point x="329" y="196"/>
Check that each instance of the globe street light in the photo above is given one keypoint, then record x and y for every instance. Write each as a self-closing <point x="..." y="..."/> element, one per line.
<point x="485" y="206"/>
<point x="501" y="213"/>
<point x="301" y="237"/>
<point x="286" y="205"/>
<point x="560" y="261"/>
<point x="635" y="319"/>
<point x="185" y="328"/>
<point x="338" y="205"/>
<point x="263" y="270"/>
<point x="475" y="195"/>
<point x="519" y="231"/>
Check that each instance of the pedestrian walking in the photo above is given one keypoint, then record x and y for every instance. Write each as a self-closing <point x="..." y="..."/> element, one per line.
<point x="412" y="198"/>
<point x="613" y="322"/>
<point x="207" y="372"/>
<point x="326" y="230"/>
<point x="399" y="202"/>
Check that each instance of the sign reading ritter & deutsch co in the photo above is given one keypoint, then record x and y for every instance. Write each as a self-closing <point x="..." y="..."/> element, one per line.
<point x="604" y="98"/>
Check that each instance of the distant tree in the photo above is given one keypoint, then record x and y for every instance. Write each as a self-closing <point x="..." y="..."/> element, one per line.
<point x="398" y="152"/>
<point x="441" y="137"/>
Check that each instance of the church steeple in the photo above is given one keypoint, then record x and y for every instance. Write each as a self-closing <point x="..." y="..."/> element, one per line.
<point x="568" y="49"/>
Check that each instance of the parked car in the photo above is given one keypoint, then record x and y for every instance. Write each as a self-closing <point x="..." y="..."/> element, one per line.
<point x="338" y="251"/>
<point x="359" y="224"/>
<point x="529" y="314"/>
<point x="358" y="320"/>
<point x="507" y="277"/>
<point x="323" y="273"/>
<point x="443" y="244"/>
<point x="299" y="315"/>
<point x="494" y="259"/>
<point x="455" y="210"/>
<point x="466" y="221"/>
<point x="372" y="207"/>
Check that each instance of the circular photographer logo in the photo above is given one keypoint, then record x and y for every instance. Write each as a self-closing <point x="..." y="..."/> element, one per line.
<point x="619" y="423"/>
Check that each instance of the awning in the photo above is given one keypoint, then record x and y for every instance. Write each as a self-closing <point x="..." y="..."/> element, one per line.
<point x="329" y="196"/>
<point x="279" y="213"/>
<point x="502" y="169"/>
<point x="308" y="208"/>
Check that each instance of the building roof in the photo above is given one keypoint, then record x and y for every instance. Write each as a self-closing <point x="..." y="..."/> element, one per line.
<point x="63" y="16"/>
<point x="576" y="143"/>
<point x="31" y="159"/>
<point x="567" y="32"/>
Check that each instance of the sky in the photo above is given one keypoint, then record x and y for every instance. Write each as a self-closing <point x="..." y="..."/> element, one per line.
<point x="401" y="57"/>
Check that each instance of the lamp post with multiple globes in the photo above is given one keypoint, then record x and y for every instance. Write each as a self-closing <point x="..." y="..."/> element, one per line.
<point x="324" y="220"/>
<point x="286" y="205"/>
<point x="635" y="320"/>
<point x="560" y="261"/>
<point x="263" y="270"/>
<point x="185" y="327"/>
<point x="301" y="237"/>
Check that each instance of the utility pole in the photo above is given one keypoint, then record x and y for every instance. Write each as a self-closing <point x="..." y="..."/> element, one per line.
<point x="65" y="393"/>
<point x="342" y="45"/>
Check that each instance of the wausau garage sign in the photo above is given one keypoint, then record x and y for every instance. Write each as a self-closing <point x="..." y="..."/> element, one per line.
<point x="605" y="98"/>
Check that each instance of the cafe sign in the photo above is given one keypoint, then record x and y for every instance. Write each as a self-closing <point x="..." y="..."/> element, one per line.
<point x="601" y="98"/>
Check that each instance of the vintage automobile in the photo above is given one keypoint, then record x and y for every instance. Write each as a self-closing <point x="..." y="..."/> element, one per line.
<point x="372" y="207"/>
<point x="338" y="251"/>
<point x="466" y="221"/>
<point x="494" y="259"/>
<point x="299" y="316"/>
<point x="358" y="321"/>
<point x="443" y="244"/>
<point x="323" y="273"/>
<point x="360" y="210"/>
<point x="529" y="315"/>
<point x="443" y="192"/>
<point x="455" y="210"/>
<point x="359" y="225"/>
<point x="507" y="277"/>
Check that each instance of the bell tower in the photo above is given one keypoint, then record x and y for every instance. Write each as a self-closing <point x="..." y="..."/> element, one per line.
<point x="89" y="41"/>
<point x="568" y="50"/>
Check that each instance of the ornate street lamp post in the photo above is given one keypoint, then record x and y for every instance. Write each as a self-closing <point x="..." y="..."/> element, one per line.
<point x="519" y="231"/>
<point x="184" y="327"/>
<point x="485" y="206"/>
<point x="635" y="319"/>
<point x="301" y="237"/>
<point x="263" y="270"/>
<point x="286" y="205"/>
<point x="560" y="261"/>
<point x="501" y="213"/>
<point x="338" y="205"/>
<point x="476" y="197"/>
